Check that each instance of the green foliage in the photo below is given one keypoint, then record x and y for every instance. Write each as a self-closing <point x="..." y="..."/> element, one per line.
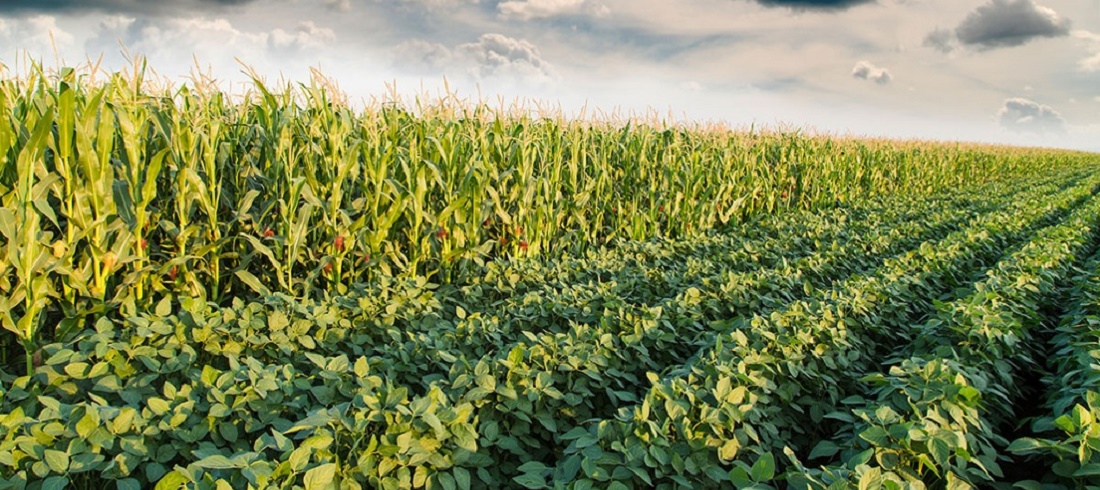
<point x="281" y="292"/>
<point x="116" y="193"/>
<point x="936" y="416"/>
<point x="772" y="380"/>
<point x="1067" y="438"/>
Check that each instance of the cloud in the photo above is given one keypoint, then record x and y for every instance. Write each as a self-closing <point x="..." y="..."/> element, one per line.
<point x="539" y="9"/>
<point x="867" y="71"/>
<point x="1092" y="62"/>
<point x="119" y="6"/>
<point x="814" y="4"/>
<point x="1007" y="23"/>
<point x="159" y="38"/>
<point x="424" y="56"/>
<point x="338" y="5"/>
<point x="492" y="56"/>
<point x="306" y="35"/>
<point x="942" y="40"/>
<point x="1019" y="114"/>
<point x="497" y="53"/>
<point x="166" y="41"/>
<point x="431" y="4"/>
<point x="38" y="34"/>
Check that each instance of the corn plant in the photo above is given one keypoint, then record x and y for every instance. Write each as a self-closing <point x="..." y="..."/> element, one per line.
<point x="27" y="251"/>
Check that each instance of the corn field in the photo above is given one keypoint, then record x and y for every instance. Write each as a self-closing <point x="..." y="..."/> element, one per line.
<point x="114" y="194"/>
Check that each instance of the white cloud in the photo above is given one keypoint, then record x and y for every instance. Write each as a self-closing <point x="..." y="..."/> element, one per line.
<point x="1092" y="62"/>
<point x="491" y="56"/>
<point x="225" y="48"/>
<point x="306" y="35"/>
<point x="208" y="39"/>
<point x="537" y="9"/>
<point x="421" y="55"/>
<point x="38" y="35"/>
<point x="116" y="22"/>
<point x="868" y="71"/>
<point x="177" y="36"/>
<point x="497" y="53"/>
<point x="1020" y="114"/>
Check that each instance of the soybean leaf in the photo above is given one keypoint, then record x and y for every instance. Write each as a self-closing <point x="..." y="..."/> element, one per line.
<point x="215" y="462"/>
<point x="321" y="476"/>
<point x="529" y="480"/>
<point x="174" y="480"/>
<point x="764" y="468"/>
<point x="58" y="461"/>
<point x="55" y="483"/>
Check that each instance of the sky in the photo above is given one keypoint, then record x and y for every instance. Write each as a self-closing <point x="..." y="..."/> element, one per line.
<point x="1022" y="72"/>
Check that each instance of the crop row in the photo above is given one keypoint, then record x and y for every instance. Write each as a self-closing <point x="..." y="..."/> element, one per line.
<point x="114" y="195"/>
<point x="414" y="334"/>
<point x="768" y="384"/>
<point x="1065" y="437"/>
<point x="562" y="377"/>
<point x="296" y="391"/>
<point x="601" y="345"/>
<point x="939" y="414"/>
<point x="601" y="366"/>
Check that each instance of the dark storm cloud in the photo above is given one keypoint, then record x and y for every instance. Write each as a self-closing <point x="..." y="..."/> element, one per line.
<point x="123" y="6"/>
<point x="814" y="4"/>
<point x="1005" y="23"/>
